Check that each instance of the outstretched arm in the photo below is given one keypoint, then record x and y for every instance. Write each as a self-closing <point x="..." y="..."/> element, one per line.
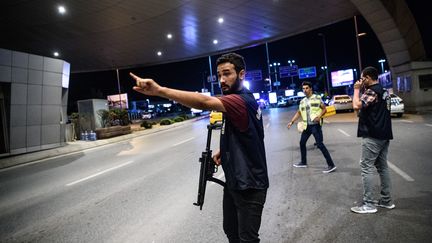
<point x="187" y="98"/>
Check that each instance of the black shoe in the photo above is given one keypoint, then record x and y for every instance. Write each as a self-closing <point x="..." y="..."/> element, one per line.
<point x="300" y="165"/>
<point x="330" y="169"/>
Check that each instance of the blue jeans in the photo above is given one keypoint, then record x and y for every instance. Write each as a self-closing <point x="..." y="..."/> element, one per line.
<point x="374" y="155"/>
<point x="242" y="212"/>
<point x="316" y="131"/>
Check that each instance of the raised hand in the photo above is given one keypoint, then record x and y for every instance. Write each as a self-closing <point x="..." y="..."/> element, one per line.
<point x="146" y="86"/>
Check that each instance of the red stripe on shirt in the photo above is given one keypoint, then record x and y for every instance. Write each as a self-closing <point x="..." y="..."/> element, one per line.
<point x="236" y="111"/>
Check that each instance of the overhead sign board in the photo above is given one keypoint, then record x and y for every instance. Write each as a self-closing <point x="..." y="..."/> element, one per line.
<point x="253" y="75"/>
<point x="307" y="72"/>
<point x="288" y="71"/>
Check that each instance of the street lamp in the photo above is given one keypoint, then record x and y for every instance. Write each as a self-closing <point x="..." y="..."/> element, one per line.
<point x="324" y="69"/>
<point x="382" y="61"/>
<point x="118" y="86"/>
<point x="358" y="43"/>
<point x="325" y="62"/>
<point x="291" y="62"/>
<point x="275" y="65"/>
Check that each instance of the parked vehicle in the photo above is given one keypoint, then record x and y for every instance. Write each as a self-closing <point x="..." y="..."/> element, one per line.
<point x="282" y="102"/>
<point x="146" y="115"/>
<point x="397" y="106"/>
<point x="294" y="100"/>
<point x="342" y="103"/>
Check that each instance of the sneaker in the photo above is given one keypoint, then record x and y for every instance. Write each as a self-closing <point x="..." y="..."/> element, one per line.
<point x="385" y="205"/>
<point x="300" y="165"/>
<point x="364" y="209"/>
<point x="330" y="169"/>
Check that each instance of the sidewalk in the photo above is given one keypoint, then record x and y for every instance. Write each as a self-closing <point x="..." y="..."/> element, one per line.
<point x="78" y="146"/>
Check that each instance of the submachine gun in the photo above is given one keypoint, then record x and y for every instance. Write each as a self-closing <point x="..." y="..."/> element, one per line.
<point x="208" y="168"/>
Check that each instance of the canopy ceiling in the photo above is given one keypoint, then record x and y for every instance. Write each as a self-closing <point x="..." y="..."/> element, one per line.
<point x="105" y="34"/>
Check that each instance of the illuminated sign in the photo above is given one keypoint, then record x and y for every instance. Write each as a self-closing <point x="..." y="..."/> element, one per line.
<point x="288" y="71"/>
<point x="253" y="75"/>
<point x="273" y="98"/>
<point x="342" y="78"/>
<point x="307" y="72"/>
<point x="289" y="92"/>
<point x="118" y="101"/>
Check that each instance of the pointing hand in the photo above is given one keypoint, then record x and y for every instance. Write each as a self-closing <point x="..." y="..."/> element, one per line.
<point x="146" y="86"/>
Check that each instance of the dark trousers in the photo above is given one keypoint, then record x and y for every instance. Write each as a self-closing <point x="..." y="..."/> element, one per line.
<point x="316" y="131"/>
<point x="242" y="212"/>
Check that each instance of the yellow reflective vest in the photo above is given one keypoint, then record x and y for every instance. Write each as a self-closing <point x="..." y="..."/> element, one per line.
<point x="315" y="108"/>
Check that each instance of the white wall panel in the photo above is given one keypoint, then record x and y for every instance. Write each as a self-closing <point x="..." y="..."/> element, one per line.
<point x="5" y="74"/>
<point x="33" y="136"/>
<point x="18" y="94"/>
<point x="52" y="79"/>
<point x="34" y="115"/>
<point x="18" y="137"/>
<point x="51" y="95"/>
<point x="20" y="59"/>
<point x="19" y="75"/>
<point x="35" y="76"/>
<point x="5" y="57"/>
<point x="50" y="134"/>
<point x="51" y="114"/>
<point x="53" y="65"/>
<point x="18" y="115"/>
<point x="35" y="62"/>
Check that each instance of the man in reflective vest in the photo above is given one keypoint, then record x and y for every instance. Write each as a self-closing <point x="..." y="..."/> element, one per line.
<point x="311" y="109"/>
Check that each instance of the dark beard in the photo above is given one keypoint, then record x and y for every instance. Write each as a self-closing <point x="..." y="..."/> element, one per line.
<point x="234" y="88"/>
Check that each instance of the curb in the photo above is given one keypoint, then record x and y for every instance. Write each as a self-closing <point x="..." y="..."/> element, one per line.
<point x="79" y="146"/>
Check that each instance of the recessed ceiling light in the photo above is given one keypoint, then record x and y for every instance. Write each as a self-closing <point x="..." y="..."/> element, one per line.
<point x="220" y="20"/>
<point x="215" y="42"/>
<point x="56" y="54"/>
<point x="159" y="53"/>
<point x="169" y="36"/>
<point x="61" y="9"/>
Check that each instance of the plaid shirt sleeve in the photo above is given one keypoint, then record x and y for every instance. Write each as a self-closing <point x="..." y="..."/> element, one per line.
<point x="368" y="97"/>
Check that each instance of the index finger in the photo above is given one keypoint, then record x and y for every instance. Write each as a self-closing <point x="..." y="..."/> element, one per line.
<point x="133" y="76"/>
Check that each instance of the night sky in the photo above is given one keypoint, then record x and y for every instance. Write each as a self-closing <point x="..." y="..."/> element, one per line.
<point x="306" y="49"/>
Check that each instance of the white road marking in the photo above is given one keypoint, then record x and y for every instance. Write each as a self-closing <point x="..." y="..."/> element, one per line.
<point x="267" y="126"/>
<point x="99" y="173"/>
<point x="344" y="133"/>
<point x="184" y="141"/>
<point x="407" y="121"/>
<point x="429" y="125"/>
<point x="399" y="171"/>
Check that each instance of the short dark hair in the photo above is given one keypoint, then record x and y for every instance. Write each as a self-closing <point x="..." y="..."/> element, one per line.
<point x="233" y="58"/>
<point x="371" y="72"/>
<point x="307" y="83"/>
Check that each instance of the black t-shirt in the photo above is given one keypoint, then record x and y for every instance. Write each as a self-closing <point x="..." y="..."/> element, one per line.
<point x="374" y="116"/>
<point x="242" y="143"/>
